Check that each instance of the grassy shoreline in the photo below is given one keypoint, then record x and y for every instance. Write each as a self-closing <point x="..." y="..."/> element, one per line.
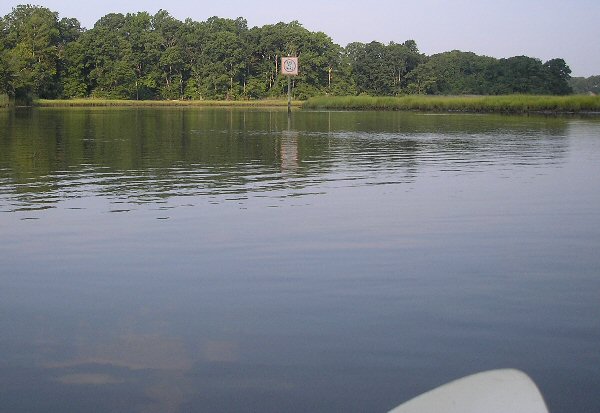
<point x="492" y="104"/>
<point x="159" y="103"/>
<point x="579" y="104"/>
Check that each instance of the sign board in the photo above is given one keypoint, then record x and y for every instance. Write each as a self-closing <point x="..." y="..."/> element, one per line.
<point x="289" y="66"/>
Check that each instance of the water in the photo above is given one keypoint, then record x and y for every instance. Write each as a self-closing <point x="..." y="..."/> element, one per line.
<point x="174" y="260"/>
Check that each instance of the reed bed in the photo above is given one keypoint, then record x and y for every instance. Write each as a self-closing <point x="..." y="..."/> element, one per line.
<point x="162" y="103"/>
<point x="506" y="103"/>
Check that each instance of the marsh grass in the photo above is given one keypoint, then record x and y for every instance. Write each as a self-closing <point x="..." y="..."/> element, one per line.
<point x="506" y="103"/>
<point x="168" y="103"/>
<point x="502" y="104"/>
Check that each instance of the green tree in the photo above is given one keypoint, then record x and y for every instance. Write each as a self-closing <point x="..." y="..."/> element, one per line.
<point x="5" y="73"/>
<point x="72" y="57"/>
<point x="32" y="37"/>
<point x="74" y="80"/>
<point x="422" y="80"/>
<point x="105" y="45"/>
<point x="453" y="73"/>
<point x="170" y="38"/>
<point x="519" y="74"/>
<point x="142" y="54"/>
<point x="217" y="66"/>
<point x="585" y="85"/>
<point x="318" y="57"/>
<point x="374" y="74"/>
<point x="404" y="58"/>
<point x="378" y="69"/>
<point x="558" y="76"/>
<point x="122" y="55"/>
<point x="340" y="81"/>
<point x="193" y="37"/>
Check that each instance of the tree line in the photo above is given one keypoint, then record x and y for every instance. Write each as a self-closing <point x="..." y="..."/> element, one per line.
<point x="143" y="56"/>
<point x="586" y="85"/>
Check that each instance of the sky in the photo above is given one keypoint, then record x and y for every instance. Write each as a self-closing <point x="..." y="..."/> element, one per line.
<point x="544" y="29"/>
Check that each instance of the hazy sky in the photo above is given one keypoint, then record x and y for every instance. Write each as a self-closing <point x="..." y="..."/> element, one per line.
<point x="500" y="28"/>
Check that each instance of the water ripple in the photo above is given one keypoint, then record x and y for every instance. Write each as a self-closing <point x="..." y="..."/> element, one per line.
<point x="279" y="164"/>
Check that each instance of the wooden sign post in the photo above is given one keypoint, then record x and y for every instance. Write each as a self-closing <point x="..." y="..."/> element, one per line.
<point x="289" y="68"/>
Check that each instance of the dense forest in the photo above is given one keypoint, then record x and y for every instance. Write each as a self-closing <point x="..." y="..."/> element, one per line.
<point x="143" y="56"/>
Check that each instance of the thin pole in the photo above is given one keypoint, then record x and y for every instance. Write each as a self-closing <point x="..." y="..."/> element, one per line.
<point x="289" y="94"/>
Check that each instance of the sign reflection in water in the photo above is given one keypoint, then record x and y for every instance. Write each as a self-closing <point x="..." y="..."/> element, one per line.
<point x="223" y="260"/>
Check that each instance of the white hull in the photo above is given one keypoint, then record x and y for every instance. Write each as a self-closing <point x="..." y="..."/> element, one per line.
<point x="495" y="391"/>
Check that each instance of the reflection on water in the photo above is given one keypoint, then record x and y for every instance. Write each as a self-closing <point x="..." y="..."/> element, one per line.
<point x="174" y="260"/>
<point x="149" y="156"/>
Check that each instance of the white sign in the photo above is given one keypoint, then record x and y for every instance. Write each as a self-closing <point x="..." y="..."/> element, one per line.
<point x="289" y="66"/>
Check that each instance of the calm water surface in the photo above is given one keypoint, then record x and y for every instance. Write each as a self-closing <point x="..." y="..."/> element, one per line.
<point x="178" y="260"/>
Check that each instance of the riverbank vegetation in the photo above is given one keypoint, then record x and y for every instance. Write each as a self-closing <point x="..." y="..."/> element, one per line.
<point x="81" y="102"/>
<point x="138" y="56"/>
<point x="508" y="104"/>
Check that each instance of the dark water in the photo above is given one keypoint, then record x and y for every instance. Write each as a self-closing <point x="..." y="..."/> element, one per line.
<point x="178" y="260"/>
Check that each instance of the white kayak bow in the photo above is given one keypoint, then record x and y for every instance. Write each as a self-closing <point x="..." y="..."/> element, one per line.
<point x="495" y="391"/>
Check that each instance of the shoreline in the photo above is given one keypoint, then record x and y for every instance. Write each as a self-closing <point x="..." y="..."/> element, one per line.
<point x="510" y="104"/>
<point x="45" y="103"/>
